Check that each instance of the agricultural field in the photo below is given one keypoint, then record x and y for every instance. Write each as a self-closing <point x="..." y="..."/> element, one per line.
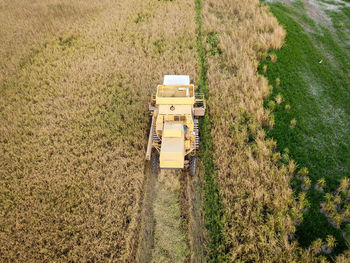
<point x="311" y="75"/>
<point x="272" y="183"/>
<point x="76" y="77"/>
<point x="255" y="193"/>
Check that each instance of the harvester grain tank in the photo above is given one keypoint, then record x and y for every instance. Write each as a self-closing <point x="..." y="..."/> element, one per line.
<point x="174" y="134"/>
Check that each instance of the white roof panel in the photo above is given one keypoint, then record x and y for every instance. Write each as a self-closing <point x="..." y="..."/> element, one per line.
<point x="176" y="80"/>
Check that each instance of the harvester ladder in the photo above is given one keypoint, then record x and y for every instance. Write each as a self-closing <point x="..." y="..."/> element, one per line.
<point x="155" y="137"/>
<point x="196" y="130"/>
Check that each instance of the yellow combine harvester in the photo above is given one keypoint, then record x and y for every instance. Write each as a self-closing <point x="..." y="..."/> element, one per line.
<point x="174" y="133"/>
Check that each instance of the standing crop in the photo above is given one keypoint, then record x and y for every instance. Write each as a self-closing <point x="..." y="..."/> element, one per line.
<point x="74" y="120"/>
<point x="260" y="211"/>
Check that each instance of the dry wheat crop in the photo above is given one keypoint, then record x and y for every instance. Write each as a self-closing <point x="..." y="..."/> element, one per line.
<point x="254" y="180"/>
<point x="254" y="187"/>
<point x="75" y="81"/>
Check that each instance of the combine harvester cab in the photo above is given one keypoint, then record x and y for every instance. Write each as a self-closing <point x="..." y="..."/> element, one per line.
<point x="174" y="134"/>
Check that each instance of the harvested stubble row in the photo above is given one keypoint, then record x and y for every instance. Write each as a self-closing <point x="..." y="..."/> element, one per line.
<point x="74" y="122"/>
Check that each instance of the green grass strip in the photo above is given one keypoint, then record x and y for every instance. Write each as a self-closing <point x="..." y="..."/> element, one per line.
<point x="213" y="208"/>
<point x="317" y="91"/>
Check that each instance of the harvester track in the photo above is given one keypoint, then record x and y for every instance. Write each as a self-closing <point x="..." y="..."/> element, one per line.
<point x="172" y="213"/>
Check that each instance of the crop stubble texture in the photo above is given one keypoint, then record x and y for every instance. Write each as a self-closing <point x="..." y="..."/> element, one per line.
<point x="74" y="123"/>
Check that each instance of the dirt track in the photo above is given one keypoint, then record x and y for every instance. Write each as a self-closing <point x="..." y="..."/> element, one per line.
<point x="171" y="218"/>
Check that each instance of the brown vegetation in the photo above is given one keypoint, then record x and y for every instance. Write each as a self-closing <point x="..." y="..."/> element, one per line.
<point x="337" y="205"/>
<point x="25" y="27"/>
<point x="261" y="211"/>
<point x="75" y="80"/>
<point x="254" y="186"/>
<point x="169" y="236"/>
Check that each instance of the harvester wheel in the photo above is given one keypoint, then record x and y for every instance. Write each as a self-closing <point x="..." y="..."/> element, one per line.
<point x="192" y="165"/>
<point x="155" y="164"/>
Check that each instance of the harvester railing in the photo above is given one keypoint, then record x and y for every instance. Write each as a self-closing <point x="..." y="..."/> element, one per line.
<point x="199" y="105"/>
